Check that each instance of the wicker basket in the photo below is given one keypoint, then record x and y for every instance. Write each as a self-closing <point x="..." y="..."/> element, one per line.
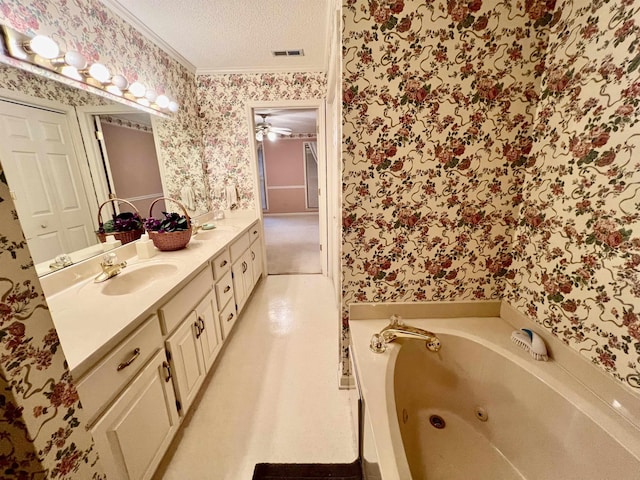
<point x="126" y="236"/>
<point x="168" y="241"/>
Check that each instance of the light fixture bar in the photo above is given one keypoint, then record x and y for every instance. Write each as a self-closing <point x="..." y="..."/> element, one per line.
<point x="42" y="52"/>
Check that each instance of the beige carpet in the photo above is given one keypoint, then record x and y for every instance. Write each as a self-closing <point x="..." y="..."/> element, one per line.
<point x="292" y="243"/>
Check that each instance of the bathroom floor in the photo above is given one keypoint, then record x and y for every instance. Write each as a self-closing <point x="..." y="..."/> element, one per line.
<point x="273" y="395"/>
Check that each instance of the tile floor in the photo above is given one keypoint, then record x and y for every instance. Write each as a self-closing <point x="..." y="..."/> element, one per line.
<point x="273" y="395"/>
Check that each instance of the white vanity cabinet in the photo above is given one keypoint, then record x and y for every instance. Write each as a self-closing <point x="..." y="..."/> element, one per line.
<point x="131" y="405"/>
<point x="225" y="292"/>
<point x="246" y="257"/>
<point x="134" y="433"/>
<point x="190" y="320"/>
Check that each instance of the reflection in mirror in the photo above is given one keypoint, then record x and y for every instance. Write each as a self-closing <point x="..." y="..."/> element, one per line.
<point x="57" y="185"/>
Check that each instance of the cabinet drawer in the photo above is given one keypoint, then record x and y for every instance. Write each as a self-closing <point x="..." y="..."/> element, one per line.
<point x="239" y="246"/>
<point x="221" y="264"/>
<point x="105" y="381"/>
<point x="254" y="232"/>
<point x="224" y="290"/>
<point x="228" y="318"/>
<point x="174" y="311"/>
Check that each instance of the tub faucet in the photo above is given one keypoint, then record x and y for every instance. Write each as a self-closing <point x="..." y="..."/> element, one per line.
<point x="110" y="267"/>
<point x="397" y="328"/>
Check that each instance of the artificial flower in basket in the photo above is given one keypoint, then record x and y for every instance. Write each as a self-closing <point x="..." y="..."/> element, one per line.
<point x="125" y="226"/>
<point x="172" y="231"/>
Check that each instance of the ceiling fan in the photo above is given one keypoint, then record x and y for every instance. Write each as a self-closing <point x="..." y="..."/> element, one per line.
<point x="265" y="129"/>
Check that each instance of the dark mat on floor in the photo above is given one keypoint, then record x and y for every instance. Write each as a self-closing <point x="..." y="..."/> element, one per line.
<point x="304" y="471"/>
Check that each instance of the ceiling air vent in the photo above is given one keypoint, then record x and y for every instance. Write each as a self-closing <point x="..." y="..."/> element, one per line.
<point x="288" y="53"/>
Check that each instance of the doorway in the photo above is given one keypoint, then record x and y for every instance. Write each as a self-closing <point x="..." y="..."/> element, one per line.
<point x="289" y="173"/>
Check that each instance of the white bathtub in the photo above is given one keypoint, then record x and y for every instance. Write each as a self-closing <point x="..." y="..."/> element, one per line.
<point x="506" y="415"/>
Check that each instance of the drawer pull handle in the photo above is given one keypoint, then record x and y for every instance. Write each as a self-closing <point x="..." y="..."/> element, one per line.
<point x="198" y="331"/>
<point x="227" y="288"/>
<point x="244" y="267"/>
<point x="168" y="367"/>
<point x="253" y="255"/>
<point x="201" y="324"/>
<point x="123" y="365"/>
<point x="230" y="317"/>
<point x="223" y="263"/>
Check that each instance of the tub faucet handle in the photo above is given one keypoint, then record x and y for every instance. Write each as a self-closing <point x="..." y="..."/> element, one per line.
<point x="396" y="320"/>
<point x="378" y="343"/>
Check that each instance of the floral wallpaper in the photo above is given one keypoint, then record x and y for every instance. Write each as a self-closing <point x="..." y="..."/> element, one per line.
<point x="576" y="246"/>
<point x="439" y="100"/>
<point x="90" y="28"/>
<point x="488" y="153"/>
<point x="223" y="110"/>
<point x="42" y="433"/>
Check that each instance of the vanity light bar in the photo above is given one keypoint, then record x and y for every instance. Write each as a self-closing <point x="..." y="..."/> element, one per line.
<point x="44" y="52"/>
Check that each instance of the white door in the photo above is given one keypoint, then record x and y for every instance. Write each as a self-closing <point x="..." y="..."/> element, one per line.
<point x="42" y="170"/>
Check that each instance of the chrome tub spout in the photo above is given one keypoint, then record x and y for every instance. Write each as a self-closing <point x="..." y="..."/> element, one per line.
<point x="397" y="329"/>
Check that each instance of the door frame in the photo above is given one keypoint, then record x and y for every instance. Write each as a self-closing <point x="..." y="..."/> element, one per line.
<point x="323" y="200"/>
<point x="86" y="116"/>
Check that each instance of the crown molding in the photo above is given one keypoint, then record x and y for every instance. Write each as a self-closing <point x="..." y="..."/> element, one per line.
<point x="136" y="23"/>
<point x="248" y="70"/>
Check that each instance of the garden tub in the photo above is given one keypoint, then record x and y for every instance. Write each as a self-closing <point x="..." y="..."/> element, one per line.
<point x="483" y="408"/>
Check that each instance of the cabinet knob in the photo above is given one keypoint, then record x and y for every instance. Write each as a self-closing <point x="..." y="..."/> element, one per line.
<point x="168" y="368"/>
<point x="227" y="288"/>
<point x="223" y="263"/>
<point x="230" y="317"/>
<point x="123" y="365"/>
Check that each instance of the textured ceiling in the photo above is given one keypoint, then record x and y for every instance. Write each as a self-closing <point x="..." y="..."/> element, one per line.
<point x="226" y="36"/>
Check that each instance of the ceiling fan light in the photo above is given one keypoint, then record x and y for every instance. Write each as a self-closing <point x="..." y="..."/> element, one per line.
<point x="272" y="135"/>
<point x="259" y="135"/>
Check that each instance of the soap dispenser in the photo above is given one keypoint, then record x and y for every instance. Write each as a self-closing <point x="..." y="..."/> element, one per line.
<point x="145" y="247"/>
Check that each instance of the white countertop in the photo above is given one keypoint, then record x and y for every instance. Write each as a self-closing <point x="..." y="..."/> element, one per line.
<point x="90" y="324"/>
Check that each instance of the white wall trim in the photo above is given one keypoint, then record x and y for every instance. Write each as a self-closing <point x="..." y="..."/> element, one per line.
<point x="285" y="187"/>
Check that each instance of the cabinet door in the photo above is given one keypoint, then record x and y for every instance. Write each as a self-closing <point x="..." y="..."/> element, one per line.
<point x="239" y="291"/>
<point x="209" y="330"/>
<point x="186" y="360"/>
<point x="132" y="436"/>
<point x="256" y="260"/>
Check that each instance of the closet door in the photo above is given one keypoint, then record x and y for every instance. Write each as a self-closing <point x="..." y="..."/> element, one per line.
<point x="43" y="174"/>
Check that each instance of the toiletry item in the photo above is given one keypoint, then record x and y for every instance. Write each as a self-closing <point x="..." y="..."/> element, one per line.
<point x="208" y="226"/>
<point x="530" y="342"/>
<point x="145" y="247"/>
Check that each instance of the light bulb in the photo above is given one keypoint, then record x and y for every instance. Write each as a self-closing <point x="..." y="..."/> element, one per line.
<point x="151" y="95"/>
<point x="259" y="135"/>
<point x="71" y="72"/>
<point x="44" y="46"/>
<point x="75" y="59"/>
<point x="162" y="101"/>
<point x="120" y="82"/>
<point x="173" y="106"/>
<point x="272" y="135"/>
<point x="144" y="101"/>
<point x="137" y="89"/>
<point x="99" y="72"/>
<point x="113" y="89"/>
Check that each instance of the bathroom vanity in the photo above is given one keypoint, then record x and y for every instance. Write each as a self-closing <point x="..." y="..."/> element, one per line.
<point x="140" y="345"/>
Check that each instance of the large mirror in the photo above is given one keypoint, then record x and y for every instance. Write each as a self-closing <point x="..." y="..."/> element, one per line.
<point x="64" y="159"/>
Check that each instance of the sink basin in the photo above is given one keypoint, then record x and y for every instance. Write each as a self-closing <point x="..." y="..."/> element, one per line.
<point x="134" y="278"/>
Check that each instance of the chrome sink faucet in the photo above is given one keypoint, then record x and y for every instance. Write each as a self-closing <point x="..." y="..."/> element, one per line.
<point x="110" y="267"/>
<point x="397" y="328"/>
